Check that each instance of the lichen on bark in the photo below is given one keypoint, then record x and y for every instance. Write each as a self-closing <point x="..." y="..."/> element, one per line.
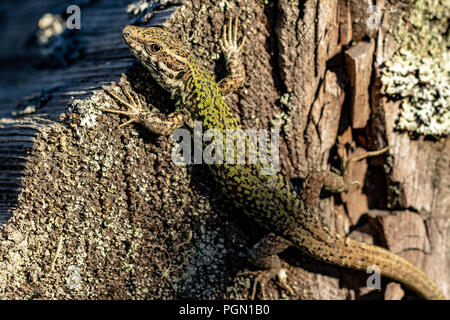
<point x="419" y="72"/>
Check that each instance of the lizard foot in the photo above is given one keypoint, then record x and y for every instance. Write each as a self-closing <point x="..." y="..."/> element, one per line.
<point x="263" y="276"/>
<point x="370" y="154"/>
<point x="156" y="123"/>
<point x="231" y="49"/>
<point x="229" y="42"/>
<point x="347" y="163"/>
<point x="344" y="155"/>
<point x="136" y="110"/>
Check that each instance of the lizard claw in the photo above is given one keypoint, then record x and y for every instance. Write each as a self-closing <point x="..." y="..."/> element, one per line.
<point x="136" y="108"/>
<point x="345" y="161"/>
<point x="229" y="37"/>
<point x="263" y="276"/>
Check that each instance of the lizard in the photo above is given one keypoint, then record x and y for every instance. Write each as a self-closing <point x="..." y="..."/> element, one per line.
<point x="269" y="200"/>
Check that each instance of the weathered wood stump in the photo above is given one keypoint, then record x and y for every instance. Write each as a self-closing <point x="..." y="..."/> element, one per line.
<point x="89" y="211"/>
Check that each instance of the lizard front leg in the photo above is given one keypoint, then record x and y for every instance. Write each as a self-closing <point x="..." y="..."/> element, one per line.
<point x="155" y="123"/>
<point x="235" y="67"/>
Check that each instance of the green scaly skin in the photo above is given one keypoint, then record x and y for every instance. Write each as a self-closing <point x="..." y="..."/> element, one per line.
<point x="270" y="200"/>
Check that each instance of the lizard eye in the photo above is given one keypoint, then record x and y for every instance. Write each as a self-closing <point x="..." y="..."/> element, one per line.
<point x="154" y="48"/>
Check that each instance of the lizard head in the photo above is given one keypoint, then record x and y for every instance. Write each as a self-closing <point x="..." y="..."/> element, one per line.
<point x="164" y="56"/>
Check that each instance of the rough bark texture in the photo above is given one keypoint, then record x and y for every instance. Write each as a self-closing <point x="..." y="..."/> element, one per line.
<point x="80" y="195"/>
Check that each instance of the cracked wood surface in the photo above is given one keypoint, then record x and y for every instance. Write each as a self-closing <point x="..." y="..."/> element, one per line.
<point x="111" y="203"/>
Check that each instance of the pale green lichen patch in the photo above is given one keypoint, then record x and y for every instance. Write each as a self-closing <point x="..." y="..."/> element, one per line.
<point x="283" y="120"/>
<point x="419" y="72"/>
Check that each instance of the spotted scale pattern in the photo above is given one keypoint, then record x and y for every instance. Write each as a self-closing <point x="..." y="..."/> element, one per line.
<point x="269" y="200"/>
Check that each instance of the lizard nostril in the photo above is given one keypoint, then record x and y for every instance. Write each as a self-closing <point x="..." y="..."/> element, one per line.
<point x="126" y="31"/>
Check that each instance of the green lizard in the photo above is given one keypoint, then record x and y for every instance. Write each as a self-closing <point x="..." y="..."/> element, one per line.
<point x="270" y="200"/>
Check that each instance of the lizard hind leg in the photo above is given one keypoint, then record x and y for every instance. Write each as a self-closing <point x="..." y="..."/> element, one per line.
<point x="264" y="255"/>
<point x="331" y="181"/>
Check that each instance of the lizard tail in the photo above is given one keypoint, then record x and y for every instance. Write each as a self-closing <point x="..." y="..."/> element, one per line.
<point x="356" y="255"/>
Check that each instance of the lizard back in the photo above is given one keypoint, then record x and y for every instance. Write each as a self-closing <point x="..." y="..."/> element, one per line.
<point x="270" y="200"/>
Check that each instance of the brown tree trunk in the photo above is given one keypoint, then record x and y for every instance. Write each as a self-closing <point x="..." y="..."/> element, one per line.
<point x="84" y="200"/>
